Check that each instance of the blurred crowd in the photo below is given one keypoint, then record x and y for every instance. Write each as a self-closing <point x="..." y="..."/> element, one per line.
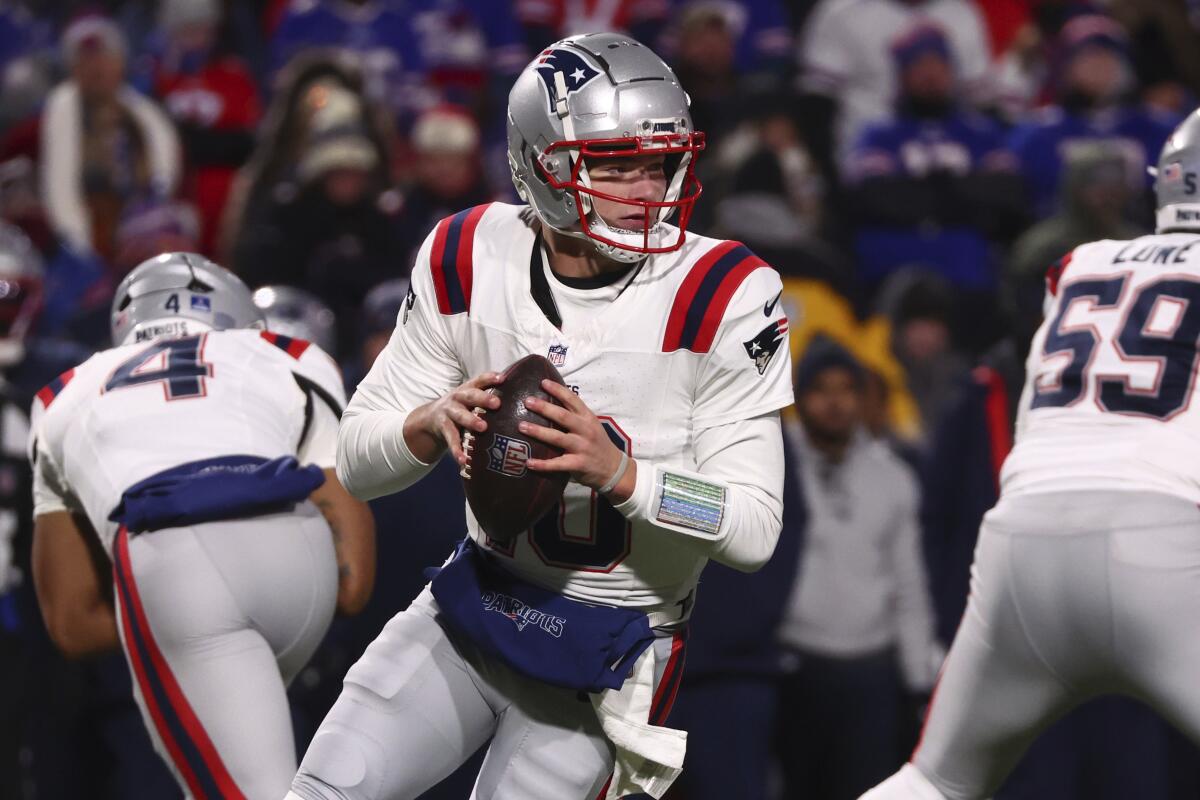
<point x="911" y="167"/>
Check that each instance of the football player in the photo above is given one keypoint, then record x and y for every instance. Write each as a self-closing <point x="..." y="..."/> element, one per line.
<point x="197" y="457"/>
<point x="1084" y="581"/>
<point x="674" y="350"/>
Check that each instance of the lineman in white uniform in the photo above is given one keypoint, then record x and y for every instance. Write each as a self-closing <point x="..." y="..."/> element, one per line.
<point x="183" y="449"/>
<point x="676" y="356"/>
<point x="1084" y="580"/>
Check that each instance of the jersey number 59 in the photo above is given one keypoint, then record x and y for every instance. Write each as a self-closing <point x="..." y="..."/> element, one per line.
<point x="1173" y="346"/>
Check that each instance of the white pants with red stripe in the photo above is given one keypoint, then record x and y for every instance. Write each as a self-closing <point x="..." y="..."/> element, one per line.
<point x="1073" y="595"/>
<point x="215" y="620"/>
<point x="421" y="701"/>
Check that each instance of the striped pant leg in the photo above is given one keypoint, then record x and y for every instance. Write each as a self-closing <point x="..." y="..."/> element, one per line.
<point x="549" y="744"/>
<point x="206" y="682"/>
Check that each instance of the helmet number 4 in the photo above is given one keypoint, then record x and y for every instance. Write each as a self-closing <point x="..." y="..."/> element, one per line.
<point x="173" y="303"/>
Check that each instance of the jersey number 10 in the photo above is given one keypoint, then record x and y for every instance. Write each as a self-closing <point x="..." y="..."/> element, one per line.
<point x="1175" y="349"/>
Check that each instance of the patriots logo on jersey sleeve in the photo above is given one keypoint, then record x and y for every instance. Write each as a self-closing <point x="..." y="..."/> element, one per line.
<point x="508" y="456"/>
<point x="577" y="72"/>
<point x="762" y="347"/>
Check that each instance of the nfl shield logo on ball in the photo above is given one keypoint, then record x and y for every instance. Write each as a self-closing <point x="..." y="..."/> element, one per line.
<point x="557" y="354"/>
<point x="508" y="456"/>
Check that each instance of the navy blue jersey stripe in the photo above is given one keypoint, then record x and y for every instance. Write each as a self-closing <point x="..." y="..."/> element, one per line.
<point x="449" y="265"/>
<point x="177" y="730"/>
<point x="706" y="291"/>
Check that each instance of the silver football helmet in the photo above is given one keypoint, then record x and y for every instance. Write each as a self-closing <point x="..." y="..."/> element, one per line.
<point x="601" y="95"/>
<point x="178" y="293"/>
<point x="298" y="314"/>
<point x="1177" y="178"/>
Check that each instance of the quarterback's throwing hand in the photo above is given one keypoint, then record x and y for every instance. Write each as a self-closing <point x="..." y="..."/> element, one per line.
<point x="588" y="454"/>
<point x="440" y="422"/>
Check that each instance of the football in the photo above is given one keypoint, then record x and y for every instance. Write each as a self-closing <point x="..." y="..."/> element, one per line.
<point x="505" y="495"/>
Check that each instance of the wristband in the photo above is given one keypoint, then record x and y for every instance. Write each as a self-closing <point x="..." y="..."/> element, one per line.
<point x="616" y="476"/>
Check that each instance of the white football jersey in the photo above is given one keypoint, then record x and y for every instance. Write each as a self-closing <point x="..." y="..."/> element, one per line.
<point x="1108" y="400"/>
<point x="693" y="340"/>
<point x="133" y="411"/>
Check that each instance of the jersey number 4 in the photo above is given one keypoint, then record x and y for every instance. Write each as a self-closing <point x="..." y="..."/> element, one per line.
<point x="1140" y="337"/>
<point x="178" y="364"/>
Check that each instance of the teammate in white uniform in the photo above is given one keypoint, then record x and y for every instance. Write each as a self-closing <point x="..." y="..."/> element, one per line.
<point x="174" y="447"/>
<point x="676" y="355"/>
<point x="1084" y="580"/>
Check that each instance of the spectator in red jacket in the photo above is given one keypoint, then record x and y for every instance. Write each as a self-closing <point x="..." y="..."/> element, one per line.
<point x="213" y="99"/>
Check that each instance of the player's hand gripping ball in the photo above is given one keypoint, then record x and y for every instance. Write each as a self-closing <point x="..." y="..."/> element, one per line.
<point x="505" y="495"/>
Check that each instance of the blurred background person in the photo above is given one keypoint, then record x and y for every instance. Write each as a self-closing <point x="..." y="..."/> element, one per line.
<point x="300" y="90"/>
<point x="213" y="99"/>
<point x="924" y="321"/>
<point x="1098" y="199"/>
<point x="858" y="628"/>
<point x="447" y="176"/>
<point x="1094" y="98"/>
<point x="103" y="145"/>
<point x="935" y="185"/>
<point x="849" y="73"/>
<point x="333" y="232"/>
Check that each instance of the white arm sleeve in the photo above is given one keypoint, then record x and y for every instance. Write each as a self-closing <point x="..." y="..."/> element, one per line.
<point x="417" y="366"/>
<point x="740" y="466"/>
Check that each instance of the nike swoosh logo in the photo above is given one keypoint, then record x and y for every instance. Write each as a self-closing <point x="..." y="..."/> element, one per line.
<point x="769" y="307"/>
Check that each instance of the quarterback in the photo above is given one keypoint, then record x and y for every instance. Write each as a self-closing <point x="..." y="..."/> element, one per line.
<point x="1084" y="581"/>
<point x="673" y="347"/>
<point x="197" y="455"/>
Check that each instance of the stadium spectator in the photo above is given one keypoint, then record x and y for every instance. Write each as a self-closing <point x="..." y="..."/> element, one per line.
<point x="380" y="32"/>
<point x="103" y="145"/>
<point x="212" y="97"/>
<point x="1097" y="199"/>
<point x="300" y="91"/>
<point x="332" y="232"/>
<point x="1094" y="83"/>
<point x="935" y="185"/>
<point x="447" y="175"/>
<point x="858" y="623"/>
<point x="547" y="21"/>
<point x="924" y="319"/>
<point x="846" y="59"/>
<point x="1163" y="36"/>
<point x="763" y="42"/>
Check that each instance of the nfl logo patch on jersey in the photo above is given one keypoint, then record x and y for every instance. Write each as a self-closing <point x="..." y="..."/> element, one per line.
<point x="557" y="354"/>
<point x="201" y="303"/>
<point x="508" y="456"/>
<point x="762" y="347"/>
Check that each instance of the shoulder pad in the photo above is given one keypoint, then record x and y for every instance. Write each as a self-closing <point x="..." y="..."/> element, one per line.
<point x="450" y="259"/>
<point x="52" y="389"/>
<point x="701" y="299"/>
<point x="293" y="347"/>
<point x="1055" y="272"/>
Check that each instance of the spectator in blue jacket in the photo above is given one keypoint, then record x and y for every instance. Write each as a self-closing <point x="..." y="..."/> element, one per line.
<point x="935" y="185"/>
<point x="1093" y="84"/>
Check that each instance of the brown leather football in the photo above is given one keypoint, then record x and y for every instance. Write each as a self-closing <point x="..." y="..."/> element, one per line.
<point x="505" y="495"/>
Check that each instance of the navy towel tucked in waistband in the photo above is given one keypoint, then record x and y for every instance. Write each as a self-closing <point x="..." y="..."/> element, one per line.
<point x="228" y="487"/>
